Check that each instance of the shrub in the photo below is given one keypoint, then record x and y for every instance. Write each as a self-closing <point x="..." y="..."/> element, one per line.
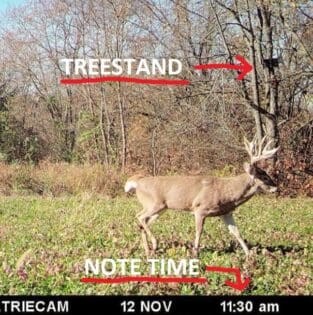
<point x="58" y="179"/>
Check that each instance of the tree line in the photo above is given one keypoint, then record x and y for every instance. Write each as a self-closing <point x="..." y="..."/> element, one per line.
<point x="158" y="128"/>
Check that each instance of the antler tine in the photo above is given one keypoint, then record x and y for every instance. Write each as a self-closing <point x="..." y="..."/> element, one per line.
<point x="256" y="153"/>
<point x="267" y="145"/>
<point x="254" y="140"/>
<point x="249" y="146"/>
<point x="264" y="153"/>
<point x="254" y="144"/>
<point x="270" y="153"/>
<point x="260" y="146"/>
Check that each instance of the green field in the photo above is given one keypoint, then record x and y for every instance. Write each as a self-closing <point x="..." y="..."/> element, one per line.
<point x="45" y="241"/>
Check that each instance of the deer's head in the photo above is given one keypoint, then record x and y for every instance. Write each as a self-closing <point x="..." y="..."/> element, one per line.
<point x="257" y="152"/>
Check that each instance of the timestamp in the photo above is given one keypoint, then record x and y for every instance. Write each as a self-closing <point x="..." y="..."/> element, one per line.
<point x="248" y="307"/>
<point x="237" y="306"/>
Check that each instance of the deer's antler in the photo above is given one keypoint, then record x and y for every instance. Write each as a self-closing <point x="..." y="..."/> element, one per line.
<point x="256" y="150"/>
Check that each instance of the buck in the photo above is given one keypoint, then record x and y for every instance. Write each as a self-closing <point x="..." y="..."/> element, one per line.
<point x="204" y="196"/>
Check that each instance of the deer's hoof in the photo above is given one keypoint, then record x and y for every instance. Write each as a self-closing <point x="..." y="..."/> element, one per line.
<point x="195" y="252"/>
<point x="154" y="244"/>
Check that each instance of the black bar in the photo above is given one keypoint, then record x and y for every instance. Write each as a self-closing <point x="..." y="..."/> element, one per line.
<point x="173" y="305"/>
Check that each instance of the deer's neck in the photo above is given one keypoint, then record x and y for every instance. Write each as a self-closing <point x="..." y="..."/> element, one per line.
<point x="250" y="192"/>
<point x="241" y="189"/>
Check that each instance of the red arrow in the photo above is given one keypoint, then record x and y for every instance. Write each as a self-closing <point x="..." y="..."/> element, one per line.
<point x="239" y="284"/>
<point x="243" y="67"/>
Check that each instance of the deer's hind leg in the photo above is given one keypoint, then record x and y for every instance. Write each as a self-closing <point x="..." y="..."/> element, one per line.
<point x="143" y="234"/>
<point x="153" y="239"/>
<point x="146" y="217"/>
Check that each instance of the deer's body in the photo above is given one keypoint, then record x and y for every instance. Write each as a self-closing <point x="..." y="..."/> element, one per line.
<point x="201" y="195"/>
<point x="192" y="193"/>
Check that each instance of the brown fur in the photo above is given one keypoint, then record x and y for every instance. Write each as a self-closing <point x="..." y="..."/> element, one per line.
<point x="190" y="193"/>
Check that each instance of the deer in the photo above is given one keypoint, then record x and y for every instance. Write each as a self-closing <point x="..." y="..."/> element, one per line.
<point x="203" y="196"/>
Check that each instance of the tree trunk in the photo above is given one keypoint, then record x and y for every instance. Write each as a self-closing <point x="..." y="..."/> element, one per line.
<point x="271" y="83"/>
<point x="256" y="92"/>
<point x="102" y="129"/>
<point x="123" y="126"/>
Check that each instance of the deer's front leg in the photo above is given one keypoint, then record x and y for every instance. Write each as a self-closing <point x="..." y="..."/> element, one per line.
<point x="199" y="220"/>
<point x="229" y="221"/>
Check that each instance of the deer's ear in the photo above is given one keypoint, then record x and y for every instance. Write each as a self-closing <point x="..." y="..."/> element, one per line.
<point x="250" y="169"/>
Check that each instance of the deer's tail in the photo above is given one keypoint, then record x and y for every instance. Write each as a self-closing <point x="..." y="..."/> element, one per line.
<point x="131" y="183"/>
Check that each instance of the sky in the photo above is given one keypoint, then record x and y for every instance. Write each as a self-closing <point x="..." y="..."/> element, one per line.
<point x="4" y="4"/>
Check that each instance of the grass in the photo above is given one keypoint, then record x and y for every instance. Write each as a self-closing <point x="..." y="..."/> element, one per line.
<point x="60" y="179"/>
<point x="45" y="241"/>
